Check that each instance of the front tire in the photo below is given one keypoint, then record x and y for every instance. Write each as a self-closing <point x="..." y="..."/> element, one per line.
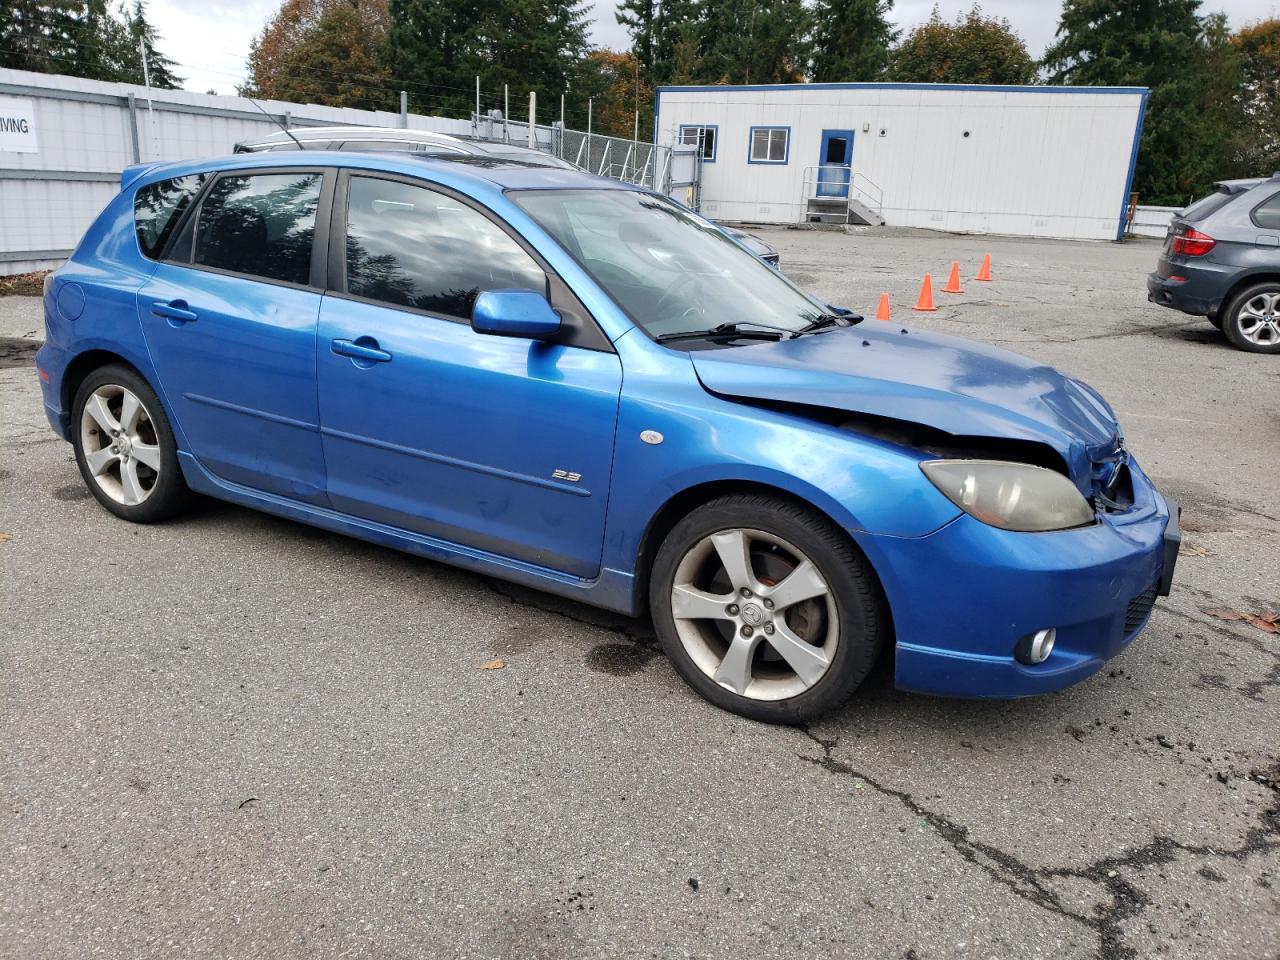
<point x="1251" y="319"/>
<point x="766" y="609"/>
<point x="125" y="447"/>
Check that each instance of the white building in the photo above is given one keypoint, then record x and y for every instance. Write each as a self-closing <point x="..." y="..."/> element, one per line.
<point x="1026" y="161"/>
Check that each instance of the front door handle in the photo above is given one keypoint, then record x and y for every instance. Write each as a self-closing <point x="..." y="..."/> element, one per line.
<point x="362" y="348"/>
<point x="175" y="311"/>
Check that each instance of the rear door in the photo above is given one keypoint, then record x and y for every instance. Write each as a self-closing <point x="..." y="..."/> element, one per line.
<point x="230" y="321"/>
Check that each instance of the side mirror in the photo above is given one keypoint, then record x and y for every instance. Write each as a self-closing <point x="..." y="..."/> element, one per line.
<point x="514" y="313"/>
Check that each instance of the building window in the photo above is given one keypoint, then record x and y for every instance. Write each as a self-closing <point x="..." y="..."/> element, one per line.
<point x="695" y="135"/>
<point x="769" y="144"/>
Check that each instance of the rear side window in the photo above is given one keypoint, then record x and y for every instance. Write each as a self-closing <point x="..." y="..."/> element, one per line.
<point x="260" y="224"/>
<point x="1267" y="214"/>
<point x="158" y="207"/>
<point x="1206" y="207"/>
<point x="413" y="247"/>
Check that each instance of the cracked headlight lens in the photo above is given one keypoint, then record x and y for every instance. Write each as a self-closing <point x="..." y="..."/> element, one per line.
<point x="1011" y="496"/>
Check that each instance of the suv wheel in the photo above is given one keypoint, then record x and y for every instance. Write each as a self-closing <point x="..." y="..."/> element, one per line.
<point x="1251" y="319"/>
<point x="125" y="447"/>
<point x="766" y="609"/>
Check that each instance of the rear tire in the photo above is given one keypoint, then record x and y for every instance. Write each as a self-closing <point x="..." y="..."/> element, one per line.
<point x="1251" y="318"/>
<point x="783" y="636"/>
<point x="125" y="448"/>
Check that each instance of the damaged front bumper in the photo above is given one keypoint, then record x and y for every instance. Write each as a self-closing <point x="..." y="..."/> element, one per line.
<point x="964" y="596"/>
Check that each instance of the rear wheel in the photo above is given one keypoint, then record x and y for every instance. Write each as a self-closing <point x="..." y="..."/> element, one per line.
<point x="125" y="447"/>
<point x="1251" y="319"/>
<point x="766" y="609"/>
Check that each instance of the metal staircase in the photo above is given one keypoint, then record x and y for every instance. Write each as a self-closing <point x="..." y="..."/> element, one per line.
<point x="857" y="199"/>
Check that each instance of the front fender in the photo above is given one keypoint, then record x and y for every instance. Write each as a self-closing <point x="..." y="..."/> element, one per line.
<point x="865" y="485"/>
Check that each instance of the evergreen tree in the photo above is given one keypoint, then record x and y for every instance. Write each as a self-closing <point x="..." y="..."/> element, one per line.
<point x="437" y="47"/>
<point x="972" y="49"/>
<point x="141" y="34"/>
<point x="44" y="36"/>
<point x="732" y="41"/>
<point x="851" y="40"/>
<point x="1188" y="136"/>
<point x="658" y="28"/>
<point x="82" y="39"/>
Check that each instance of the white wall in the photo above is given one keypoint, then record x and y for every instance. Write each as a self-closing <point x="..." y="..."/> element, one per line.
<point x="84" y="137"/>
<point x="1038" y="161"/>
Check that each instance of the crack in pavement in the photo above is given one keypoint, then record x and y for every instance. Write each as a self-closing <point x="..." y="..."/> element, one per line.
<point x="1252" y="689"/>
<point x="1033" y="883"/>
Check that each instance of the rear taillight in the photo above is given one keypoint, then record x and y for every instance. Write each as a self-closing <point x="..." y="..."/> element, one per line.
<point x="1193" y="243"/>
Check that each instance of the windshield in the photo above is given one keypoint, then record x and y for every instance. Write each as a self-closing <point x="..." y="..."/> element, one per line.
<point x="670" y="270"/>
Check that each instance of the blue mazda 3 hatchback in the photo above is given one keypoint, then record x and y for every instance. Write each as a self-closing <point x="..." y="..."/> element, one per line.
<point x="584" y="387"/>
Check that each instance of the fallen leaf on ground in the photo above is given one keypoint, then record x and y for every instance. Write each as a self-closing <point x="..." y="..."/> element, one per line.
<point x="493" y="665"/>
<point x="1266" y="620"/>
<point x="1192" y="550"/>
<point x="5" y="537"/>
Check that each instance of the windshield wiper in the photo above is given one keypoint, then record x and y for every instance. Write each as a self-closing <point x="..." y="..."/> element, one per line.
<point x="765" y="332"/>
<point x="824" y="321"/>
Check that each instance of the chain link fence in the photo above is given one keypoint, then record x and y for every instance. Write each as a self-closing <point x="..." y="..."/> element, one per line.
<point x="632" y="161"/>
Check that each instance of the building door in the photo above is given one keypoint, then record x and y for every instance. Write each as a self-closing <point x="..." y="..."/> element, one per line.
<point x="836" y="157"/>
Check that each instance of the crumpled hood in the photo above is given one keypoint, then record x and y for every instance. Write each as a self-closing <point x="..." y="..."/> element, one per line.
<point x="958" y="386"/>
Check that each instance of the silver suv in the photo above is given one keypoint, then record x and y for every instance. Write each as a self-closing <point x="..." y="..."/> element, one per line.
<point x="396" y="138"/>
<point x="1221" y="260"/>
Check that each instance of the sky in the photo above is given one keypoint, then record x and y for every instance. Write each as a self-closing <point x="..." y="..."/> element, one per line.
<point x="210" y="41"/>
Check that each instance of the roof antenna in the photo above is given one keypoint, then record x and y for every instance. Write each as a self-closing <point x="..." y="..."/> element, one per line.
<point x="276" y="120"/>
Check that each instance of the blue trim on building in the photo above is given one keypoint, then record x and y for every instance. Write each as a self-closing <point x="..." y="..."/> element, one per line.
<point x="751" y="133"/>
<point x="715" y="140"/>
<point x="1133" y="163"/>
<point x="988" y="87"/>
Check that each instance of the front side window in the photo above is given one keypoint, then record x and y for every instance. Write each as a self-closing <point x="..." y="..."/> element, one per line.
<point x="260" y="224"/>
<point x="413" y="247"/>
<point x="702" y="137"/>
<point x="769" y="144"/>
<point x="1267" y="214"/>
<point x="670" y="270"/>
<point x="158" y="207"/>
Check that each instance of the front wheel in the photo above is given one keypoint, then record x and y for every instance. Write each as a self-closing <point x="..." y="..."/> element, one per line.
<point x="766" y="609"/>
<point x="1251" y="319"/>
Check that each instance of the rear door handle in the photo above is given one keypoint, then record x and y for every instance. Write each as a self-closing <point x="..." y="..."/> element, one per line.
<point x="174" y="310"/>
<point x="363" y="348"/>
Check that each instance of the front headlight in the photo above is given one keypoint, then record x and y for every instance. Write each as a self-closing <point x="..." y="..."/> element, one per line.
<point x="1011" y="496"/>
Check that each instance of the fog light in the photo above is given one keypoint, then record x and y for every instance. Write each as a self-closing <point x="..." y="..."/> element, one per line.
<point x="1035" y="647"/>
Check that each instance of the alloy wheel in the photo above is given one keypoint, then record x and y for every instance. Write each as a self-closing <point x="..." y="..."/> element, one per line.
<point x="1259" y="319"/>
<point x="755" y="614"/>
<point x="118" y="439"/>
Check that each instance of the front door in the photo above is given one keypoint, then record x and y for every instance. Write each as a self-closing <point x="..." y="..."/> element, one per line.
<point x="230" y="323"/>
<point x="834" y="162"/>
<point x="501" y="444"/>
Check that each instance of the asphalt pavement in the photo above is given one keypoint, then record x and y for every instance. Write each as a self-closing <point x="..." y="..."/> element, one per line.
<point x="232" y="736"/>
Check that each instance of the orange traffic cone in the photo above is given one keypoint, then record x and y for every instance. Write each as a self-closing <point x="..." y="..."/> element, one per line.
<point x="925" y="303"/>
<point x="882" y="311"/>
<point x="984" y="274"/>
<point x="953" y="282"/>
